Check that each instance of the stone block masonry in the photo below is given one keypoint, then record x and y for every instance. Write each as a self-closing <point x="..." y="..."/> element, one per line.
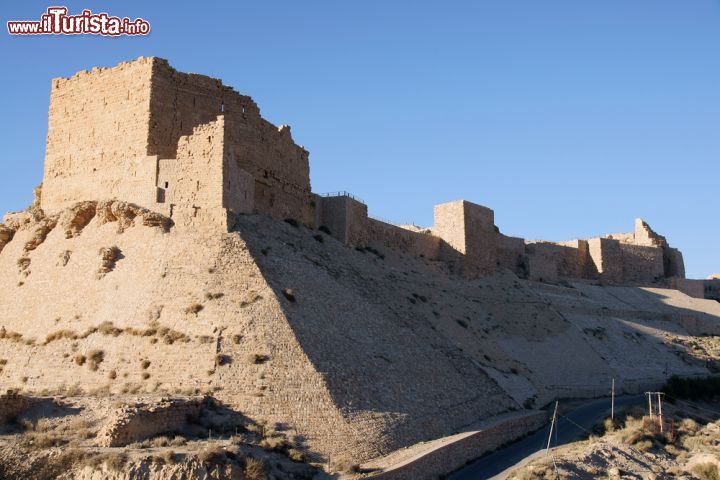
<point x="181" y="144"/>
<point x="132" y="423"/>
<point x="195" y="150"/>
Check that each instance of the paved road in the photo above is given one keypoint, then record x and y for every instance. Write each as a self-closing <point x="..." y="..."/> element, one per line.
<point x="495" y="463"/>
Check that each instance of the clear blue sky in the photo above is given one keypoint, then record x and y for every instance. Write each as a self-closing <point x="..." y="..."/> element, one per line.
<point x="568" y="118"/>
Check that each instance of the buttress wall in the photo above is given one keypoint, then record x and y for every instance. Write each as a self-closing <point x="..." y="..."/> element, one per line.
<point x="280" y="168"/>
<point x="97" y="139"/>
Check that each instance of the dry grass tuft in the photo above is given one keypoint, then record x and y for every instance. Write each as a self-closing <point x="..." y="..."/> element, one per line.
<point x="161" y="441"/>
<point x="61" y="334"/>
<point x="344" y="466"/>
<point x="194" y="308"/>
<point x="211" y="455"/>
<point x="80" y="359"/>
<point x="296" y="455"/>
<point x="255" y="469"/>
<point x="706" y="471"/>
<point x="95" y="358"/>
<point x="274" y="443"/>
<point x="10" y="335"/>
<point x="257" y="358"/>
<point x="108" y="328"/>
<point x="221" y="359"/>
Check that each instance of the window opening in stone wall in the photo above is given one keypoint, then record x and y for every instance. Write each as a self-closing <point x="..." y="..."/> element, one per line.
<point x="222" y="106"/>
<point x="166" y="184"/>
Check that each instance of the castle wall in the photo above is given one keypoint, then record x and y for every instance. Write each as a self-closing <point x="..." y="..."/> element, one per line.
<point x="510" y="254"/>
<point x="692" y="288"/>
<point x="606" y="257"/>
<point x="190" y="188"/>
<point x="253" y="146"/>
<point x="98" y="135"/>
<point x="469" y="230"/>
<point x="673" y="262"/>
<point x="199" y="152"/>
<point x="579" y="264"/>
<point x="551" y="261"/>
<point x="332" y="214"/>
<point x="712" y="289"/>
<point x="123" y="132"/>
<point x="542" y="262"/>
<point x="641" y="264"/>
<point x="414" y="243"/>
<point x="348" y="221"/>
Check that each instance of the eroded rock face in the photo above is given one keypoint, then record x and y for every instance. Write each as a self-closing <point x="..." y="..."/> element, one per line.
<point x="126" y="214"/>
<point x="75" y="218"/>
<point x="6" y="234"/>
<point x="108" y="257"/>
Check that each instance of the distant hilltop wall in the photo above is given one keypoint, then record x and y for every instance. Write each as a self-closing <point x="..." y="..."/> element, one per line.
<point x="466" y="239"/>
<point x="197" y="151"/>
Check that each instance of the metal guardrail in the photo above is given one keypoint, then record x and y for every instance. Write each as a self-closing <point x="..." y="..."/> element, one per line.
<point x="397" y="224"/>
<point x="343" y="193"/>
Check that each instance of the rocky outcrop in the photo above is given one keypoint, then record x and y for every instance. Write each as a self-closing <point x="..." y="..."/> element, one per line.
<point x="6" y="235"/>
<point x="129" y="214"/>
<point x="75" y="218"/>
<point x="108" y="257"/>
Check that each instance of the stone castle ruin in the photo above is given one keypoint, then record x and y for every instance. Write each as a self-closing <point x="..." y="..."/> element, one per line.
<point x="189" y="147"/>
<point x="152" y="266"/>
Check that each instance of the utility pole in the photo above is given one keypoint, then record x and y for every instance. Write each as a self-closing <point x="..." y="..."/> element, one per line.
<point x="658" y="415"/>
<point x="552" y="426"/>
<point x="612" y="401"/>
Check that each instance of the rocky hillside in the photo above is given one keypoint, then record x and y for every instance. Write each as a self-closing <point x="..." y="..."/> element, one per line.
<point x="353" y="352"/>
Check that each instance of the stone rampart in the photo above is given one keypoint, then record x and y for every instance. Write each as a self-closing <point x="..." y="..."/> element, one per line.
<point x="132" y="423"/>
<point x="198" y="152"/>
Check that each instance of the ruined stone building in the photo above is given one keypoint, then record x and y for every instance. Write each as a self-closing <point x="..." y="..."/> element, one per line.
<point x="189" y="147"/>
